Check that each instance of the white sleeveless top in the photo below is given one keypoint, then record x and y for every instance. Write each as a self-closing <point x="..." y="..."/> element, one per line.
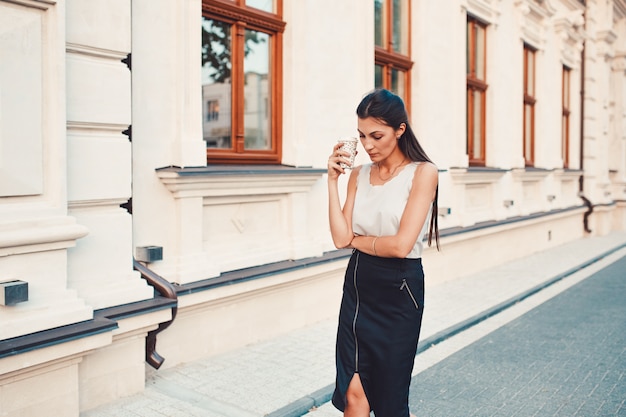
<point x="379" y="208"/>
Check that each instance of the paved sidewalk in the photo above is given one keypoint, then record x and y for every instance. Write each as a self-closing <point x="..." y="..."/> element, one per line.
<point x="288" y="375"/>
<point x="564" y="358"/>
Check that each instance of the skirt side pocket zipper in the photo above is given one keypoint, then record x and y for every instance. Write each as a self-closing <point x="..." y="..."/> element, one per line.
<point x="408" y="290"/>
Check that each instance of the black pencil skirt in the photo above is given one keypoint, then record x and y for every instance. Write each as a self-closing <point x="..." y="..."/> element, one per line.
<point x="379" y="325"/>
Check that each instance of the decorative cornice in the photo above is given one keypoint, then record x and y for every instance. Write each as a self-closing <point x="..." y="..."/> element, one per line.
<point x="619" y="62"/>
<point x="485" y="10"/>
<point x="534" y="20"/>
<point x="609" y="36"/>
<point x="569" y="26"/>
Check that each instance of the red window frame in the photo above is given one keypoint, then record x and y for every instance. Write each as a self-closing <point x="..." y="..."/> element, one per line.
<point x="476" y="85"/>
<point x="240" y="18"/>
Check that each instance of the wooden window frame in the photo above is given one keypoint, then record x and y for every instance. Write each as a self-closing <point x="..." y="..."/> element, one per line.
<point x="389" y="59"/>
<point x="242" y="17"/>
<point x="529" y="100"/>
<point x="566" y="96"/>
<point x="474" y="84"/>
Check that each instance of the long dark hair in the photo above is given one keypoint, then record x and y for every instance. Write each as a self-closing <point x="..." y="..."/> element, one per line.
<point x="388" y="108"/>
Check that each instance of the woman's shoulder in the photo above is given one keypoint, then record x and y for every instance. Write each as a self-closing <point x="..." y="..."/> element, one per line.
<point x="426" y="171"/>
<point x="425" y="167"/>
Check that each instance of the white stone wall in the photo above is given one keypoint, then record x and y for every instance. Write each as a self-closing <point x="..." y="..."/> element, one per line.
<point x="99" y="154"/>
<point x="35" y="228"/>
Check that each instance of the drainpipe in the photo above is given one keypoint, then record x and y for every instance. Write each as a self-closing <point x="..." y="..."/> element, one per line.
<point x="167" y="290"/>
<point x="581" y="180"/>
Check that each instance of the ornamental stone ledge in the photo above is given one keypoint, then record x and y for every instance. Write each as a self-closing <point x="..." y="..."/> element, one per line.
<point x="568" y="174"/>
<point x="477" y="175"/>
<point x="234" y="180"/>
<point x="487" y="10"/>
<point x="38" y="235"/>
<point x="530" y="174"/>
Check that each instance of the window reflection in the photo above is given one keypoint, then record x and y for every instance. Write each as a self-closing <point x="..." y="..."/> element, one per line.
<point x="256" y="93"/>
<point x="480" y="52"/>
<point x="265" y="5"/>
<point x="398" y="82"/>
<point x="477" y="123"/>
<point x="379" y="23"/>
<point x="400" y="27"/>
<point x="378" y="76"/>
<point x="216" y="83"/>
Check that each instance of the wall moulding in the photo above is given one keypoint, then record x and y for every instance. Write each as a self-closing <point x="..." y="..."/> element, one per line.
<point x="37" y="4"/>
<point x="95" y="52"/>
<point x="39" y="235"/>
<point x="88" y="128"/>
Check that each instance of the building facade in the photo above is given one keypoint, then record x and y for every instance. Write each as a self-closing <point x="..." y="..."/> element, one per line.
<point x="162" y="164"/>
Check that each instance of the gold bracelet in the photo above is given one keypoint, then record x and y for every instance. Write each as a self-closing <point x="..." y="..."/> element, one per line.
<point x="374" y="246"/>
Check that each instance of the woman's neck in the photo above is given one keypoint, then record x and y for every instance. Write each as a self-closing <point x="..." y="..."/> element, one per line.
<point x="392" y="162"/>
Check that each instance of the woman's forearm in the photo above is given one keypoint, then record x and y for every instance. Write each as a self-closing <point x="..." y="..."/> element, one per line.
<point x="339" y="228"/>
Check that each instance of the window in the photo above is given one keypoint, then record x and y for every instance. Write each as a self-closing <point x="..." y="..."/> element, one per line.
<point x="565" y="117"/>
<point x="476" y="91"/>
<point x="241" y="80"/>
<point x="213" y="110"/>
<point x="529" y="106"/>
<point x="392" y="60"/>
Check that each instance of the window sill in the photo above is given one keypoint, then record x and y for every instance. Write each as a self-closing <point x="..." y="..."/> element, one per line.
<point x="530" y="174"/>
<point x="221" y="180"/>
<point x="568" y="174"/>
<point x="477" y="175"/>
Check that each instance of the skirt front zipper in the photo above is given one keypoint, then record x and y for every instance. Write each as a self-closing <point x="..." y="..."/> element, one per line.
<point x="408" y="290"/>
<point x="356" y="313"/>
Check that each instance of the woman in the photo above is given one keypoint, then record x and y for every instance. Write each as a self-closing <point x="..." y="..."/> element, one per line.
<point x="384" y="219"/>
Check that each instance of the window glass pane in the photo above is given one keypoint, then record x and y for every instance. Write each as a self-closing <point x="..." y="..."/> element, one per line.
<point x="528" y="129"/>
<point x="566" y="88"/>
<point x="379" y="23"/>
<point x="563" y="136"/>
<point x="480" y="52"/>
<point x="265" y="5"/>
<point x="468" y="58"/>
<point x="564" y="139"/>
<point x="400" y="27"/>
<point x="256" y="90"/>
<point x="378" y="76"/>
<point x="398" y="81"/>
<point x="531" y="73"/>
<point x="216" y="83"/>
<point x="468" y="118"/>
<point x="478" y="124"/>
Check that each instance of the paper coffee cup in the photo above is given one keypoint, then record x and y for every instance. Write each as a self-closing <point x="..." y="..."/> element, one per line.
<point x="348" y="145"/>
